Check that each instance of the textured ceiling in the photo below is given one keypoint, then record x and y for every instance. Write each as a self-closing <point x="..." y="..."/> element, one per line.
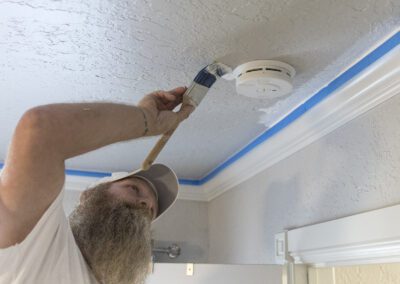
<point x="72" y="51"/>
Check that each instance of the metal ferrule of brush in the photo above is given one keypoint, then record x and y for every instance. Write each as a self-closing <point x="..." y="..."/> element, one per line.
<point x="200" y="86"/>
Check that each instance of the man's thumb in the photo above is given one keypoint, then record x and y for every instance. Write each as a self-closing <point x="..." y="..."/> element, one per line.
<point x="184" y="112"/>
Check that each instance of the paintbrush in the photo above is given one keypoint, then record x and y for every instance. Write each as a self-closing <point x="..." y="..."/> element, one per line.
<point x="193" y="96"/>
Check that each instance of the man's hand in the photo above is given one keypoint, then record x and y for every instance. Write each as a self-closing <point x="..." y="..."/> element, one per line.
<point x="158" y="108"/>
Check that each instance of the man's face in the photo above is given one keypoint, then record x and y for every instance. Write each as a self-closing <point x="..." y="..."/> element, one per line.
<point x="136" y="191"/>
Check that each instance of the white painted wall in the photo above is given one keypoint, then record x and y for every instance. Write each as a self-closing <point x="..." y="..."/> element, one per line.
<point x="216" y="274"/>
<point x="185" y="224"/>
<point x="354" y="169"/>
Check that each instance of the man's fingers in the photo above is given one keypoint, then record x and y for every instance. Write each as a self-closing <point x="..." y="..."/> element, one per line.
<point x="165" y="96"/>
<point x="170" y="119"/>
<point x="179" y="91"/>
<point x="185" y="111"/>
<point x="174" y="95"/>
<point x="162" y="104"/>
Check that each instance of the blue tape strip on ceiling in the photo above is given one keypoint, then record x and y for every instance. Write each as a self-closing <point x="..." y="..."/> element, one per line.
<point x="349" y="74"/>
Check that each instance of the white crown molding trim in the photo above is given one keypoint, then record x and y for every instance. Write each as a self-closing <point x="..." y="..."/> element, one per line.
<point x="187" y="192"/>
<point x="376" y="84"/>
<point x="371" y="237"/>
<point x="80" y="183"/>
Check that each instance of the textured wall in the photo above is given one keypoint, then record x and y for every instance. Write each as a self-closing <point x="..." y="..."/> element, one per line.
<point x="368" y="274"/>
<point x="57" y="51"/>
<point x="363" y="274"/>
<point x="185" y="224"/>
<point x="354" y="169"/>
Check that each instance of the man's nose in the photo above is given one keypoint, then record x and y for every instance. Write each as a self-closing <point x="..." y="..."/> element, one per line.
<point x="144" y="202"/>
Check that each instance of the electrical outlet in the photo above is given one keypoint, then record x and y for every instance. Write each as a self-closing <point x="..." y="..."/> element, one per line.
<point x="280" y="248"/>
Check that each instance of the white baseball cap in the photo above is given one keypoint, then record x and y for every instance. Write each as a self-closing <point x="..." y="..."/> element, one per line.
<point x="162" y="180"/>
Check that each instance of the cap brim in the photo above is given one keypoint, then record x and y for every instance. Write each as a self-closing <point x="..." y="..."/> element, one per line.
<point x="162" y="177"/>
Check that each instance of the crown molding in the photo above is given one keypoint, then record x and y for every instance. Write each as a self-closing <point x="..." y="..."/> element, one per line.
<point x="371" y="237"/>
<point x="192" y="193"/>
<point x="371" y="87"/>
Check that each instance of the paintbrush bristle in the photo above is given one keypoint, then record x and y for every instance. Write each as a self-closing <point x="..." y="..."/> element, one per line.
<point x="218" y="69"/>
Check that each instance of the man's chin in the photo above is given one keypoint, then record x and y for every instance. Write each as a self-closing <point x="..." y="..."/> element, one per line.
<point x="113" y="236"/>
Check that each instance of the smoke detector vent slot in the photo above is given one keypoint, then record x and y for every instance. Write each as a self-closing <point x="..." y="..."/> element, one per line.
<point x="253" y="70"/>
<point x="273" y="69"/>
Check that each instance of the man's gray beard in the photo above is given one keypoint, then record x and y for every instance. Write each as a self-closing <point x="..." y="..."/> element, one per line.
<point x="113" y="236"/>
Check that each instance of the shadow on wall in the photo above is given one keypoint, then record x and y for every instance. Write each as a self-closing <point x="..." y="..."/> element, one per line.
<point x="353" y="170"/>
<point x="326" y="181"/>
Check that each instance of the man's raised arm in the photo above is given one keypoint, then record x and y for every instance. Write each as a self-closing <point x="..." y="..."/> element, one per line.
<point x="48" y="135"/>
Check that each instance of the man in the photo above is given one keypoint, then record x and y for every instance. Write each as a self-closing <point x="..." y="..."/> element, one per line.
<point x="107" y="238"/>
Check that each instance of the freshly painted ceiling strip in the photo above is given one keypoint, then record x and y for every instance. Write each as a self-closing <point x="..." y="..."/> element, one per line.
<point x="310" y="103"/>
<point x="349" y="74"/>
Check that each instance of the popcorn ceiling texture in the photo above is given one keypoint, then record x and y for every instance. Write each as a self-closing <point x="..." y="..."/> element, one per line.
<point x="70" y="51"/>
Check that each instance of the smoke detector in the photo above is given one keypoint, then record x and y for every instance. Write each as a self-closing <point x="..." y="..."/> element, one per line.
<point x="263" y="79"/>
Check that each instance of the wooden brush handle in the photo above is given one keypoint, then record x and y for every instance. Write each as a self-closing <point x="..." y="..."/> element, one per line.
<point x="157" y="148"/>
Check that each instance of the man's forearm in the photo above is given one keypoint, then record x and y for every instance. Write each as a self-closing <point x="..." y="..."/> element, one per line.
<point x="74" y="129"/>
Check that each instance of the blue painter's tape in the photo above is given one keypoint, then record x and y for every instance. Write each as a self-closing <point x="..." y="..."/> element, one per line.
<point x="295" y="114"/>
<point x="189" y="182"/>
<point x="87" y="173"/>
<point x="349" y="74"/>
<point x="103" y="174"/>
